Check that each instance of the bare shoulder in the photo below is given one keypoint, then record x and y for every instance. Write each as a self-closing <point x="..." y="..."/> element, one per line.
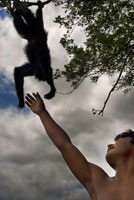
<point x="90" y="175"/>
<point x="98" y="177"/>
<point x="98" y="174"/>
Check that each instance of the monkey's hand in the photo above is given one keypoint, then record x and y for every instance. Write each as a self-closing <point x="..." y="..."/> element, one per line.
<point x="35" y="103"/>
<point x="40" y="4"/>
<point x="16" y="3"/>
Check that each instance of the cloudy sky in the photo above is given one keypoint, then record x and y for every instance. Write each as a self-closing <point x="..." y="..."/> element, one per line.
<point x="31" y="167"/>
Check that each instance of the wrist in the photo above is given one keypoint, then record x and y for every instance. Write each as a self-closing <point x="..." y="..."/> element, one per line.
<point x="42" y="112"/>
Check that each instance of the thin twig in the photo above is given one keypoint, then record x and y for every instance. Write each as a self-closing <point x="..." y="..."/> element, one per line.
<point x="74" y="88"/>
<point x="101" y="112"/>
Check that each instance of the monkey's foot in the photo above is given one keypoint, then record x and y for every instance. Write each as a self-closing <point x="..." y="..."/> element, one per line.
<point x="21" y="105"/>
<point x="50" y="94"/>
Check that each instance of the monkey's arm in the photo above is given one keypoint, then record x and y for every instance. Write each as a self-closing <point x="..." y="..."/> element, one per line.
<point x="39" y="14"/>
<point x="35" y="4"/>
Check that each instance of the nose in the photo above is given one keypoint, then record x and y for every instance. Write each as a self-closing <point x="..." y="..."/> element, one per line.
<point x="110" y="146"/>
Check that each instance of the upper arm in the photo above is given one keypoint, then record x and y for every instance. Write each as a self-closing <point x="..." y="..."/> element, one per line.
<point x="76" y="162"/>
<point x="87" y="173"/>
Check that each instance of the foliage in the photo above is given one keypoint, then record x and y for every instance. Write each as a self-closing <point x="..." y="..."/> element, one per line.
<point x="10" y="5"/>
<point x="109" y="46"/>
<point x="108" y="26"/>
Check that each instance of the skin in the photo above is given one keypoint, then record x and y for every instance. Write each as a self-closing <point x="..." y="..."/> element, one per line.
<point x="120" y="156"/>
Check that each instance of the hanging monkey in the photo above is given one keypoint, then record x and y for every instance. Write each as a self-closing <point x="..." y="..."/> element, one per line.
<point x="30" y="27"/>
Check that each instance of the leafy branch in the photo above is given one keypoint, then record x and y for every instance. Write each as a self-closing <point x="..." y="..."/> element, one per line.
<point x="109" y="40"/>
<point x="101" y="112"/>
<point x="10" y="5"/>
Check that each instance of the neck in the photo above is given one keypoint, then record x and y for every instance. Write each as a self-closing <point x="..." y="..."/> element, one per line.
<point x="125" y="168"/>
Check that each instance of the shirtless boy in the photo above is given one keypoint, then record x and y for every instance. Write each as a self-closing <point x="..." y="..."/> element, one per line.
<point x="120" y="156"/>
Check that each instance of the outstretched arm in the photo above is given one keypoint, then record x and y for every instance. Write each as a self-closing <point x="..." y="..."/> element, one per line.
<point x="39" y="14"/>
<point x="74" y="158"/>
<point x="87" y="173"/>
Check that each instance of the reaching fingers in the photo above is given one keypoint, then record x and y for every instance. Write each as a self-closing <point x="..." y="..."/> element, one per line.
<point x="35" y="95"/>
<point x="29" y="100"/>
<point x="29" y="96"/>
<point x="38" y="95"/>
<point x="27" y="103"/>
<point x="33" y="98"/>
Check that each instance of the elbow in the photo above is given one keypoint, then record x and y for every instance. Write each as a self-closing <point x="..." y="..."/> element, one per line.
<point x="64" y="145"/>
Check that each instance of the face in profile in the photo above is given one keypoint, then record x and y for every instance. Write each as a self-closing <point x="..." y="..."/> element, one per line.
<point x="120" y="150"/>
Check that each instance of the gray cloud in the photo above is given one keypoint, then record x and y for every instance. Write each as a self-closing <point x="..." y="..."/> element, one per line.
<point x="31" y="166"/>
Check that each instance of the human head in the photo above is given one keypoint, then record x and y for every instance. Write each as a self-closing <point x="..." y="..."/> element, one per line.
<point x="122" y="149"/>
<point x="127" y="133"/>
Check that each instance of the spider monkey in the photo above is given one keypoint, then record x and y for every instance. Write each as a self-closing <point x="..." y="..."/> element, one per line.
<point x="30" y="27"/>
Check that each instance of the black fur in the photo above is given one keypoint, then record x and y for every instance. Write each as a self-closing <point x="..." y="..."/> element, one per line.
<point x="31" y="28"/>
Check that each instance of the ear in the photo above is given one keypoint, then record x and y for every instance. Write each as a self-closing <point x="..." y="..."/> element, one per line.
<point x="132" y="141"/>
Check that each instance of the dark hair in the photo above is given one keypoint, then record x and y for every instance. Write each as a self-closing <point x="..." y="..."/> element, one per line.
<point x="127" y="133"/>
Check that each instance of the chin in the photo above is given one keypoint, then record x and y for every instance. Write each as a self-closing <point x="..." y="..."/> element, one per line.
<point x="110" y="158"/>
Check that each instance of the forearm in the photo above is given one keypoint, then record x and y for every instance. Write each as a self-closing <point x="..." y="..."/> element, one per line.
<point x="39" y="16"/>
<point x="54" y="131"/>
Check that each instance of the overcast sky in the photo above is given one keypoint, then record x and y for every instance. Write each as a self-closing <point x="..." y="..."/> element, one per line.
<point x="31" y="167"/>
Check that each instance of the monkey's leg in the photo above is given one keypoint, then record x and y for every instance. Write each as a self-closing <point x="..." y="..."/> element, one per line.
<point x="19" y="74"/>
<point x="44" y="66"/>
<point x="49" y="80"/>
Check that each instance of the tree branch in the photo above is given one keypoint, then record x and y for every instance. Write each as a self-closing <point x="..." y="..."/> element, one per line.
<point x="101" y="112"/>
<point x="74" y="88"/>
<point x="35" y="3"/>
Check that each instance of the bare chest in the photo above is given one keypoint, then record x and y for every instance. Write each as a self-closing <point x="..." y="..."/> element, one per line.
<point x="116" y="191"/>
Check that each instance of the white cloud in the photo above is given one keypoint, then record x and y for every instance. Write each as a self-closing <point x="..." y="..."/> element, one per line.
<point x="31" y="166"/>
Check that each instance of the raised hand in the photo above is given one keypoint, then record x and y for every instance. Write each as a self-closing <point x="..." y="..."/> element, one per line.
<point x="40" y="4"/>
<point x="35" y="103"/>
